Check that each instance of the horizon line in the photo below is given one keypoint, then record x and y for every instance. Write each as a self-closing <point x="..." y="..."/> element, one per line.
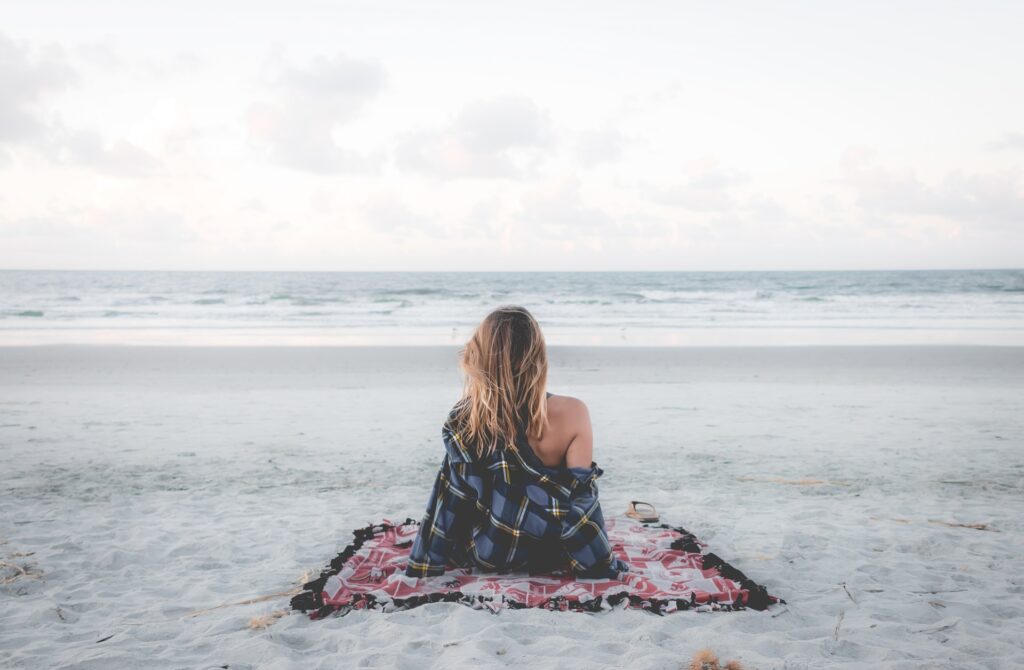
<point x="675" y="271"/>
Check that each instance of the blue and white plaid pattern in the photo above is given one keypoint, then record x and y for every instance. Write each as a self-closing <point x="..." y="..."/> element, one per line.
<point x="507" y="511"/>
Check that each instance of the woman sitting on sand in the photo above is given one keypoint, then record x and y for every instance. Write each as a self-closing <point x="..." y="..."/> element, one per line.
<point x="516" y="490"/>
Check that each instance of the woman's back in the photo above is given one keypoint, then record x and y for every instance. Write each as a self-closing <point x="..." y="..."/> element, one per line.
<point x="507" y="510"/>
<point x="516" y="489"/>
<point x="568" y="440"/>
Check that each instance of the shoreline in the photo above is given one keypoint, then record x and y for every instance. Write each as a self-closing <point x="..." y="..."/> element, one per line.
<point x="727" y="336"/>
<point x="418" y="365"/>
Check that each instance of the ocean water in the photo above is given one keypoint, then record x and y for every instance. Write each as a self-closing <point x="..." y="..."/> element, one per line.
<point x="602" y="308"/>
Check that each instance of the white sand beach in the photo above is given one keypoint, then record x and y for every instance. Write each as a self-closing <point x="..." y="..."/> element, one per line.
<point x="142" y="484"/>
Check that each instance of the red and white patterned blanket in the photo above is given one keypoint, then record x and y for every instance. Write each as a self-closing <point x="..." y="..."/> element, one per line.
<point x="668" y="571"/>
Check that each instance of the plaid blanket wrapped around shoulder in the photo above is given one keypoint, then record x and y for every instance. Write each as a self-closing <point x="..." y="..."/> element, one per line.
<point x="507" y="511"/>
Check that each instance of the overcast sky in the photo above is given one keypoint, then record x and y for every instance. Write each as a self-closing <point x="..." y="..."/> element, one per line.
<point x="536" y="136"/>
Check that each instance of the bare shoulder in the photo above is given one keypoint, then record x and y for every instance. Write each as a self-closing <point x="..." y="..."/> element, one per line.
<point x="570" y="421"/>
<point x="566" y="409"/>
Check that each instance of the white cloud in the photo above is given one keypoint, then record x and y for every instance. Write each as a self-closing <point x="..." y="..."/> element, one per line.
<point x="101" y="55"/>
<point x="1011" y="141"/>
<point x="96" y="234"/>
<point x="400" y="139"/>
<point x="600" y="146"/>
<point x="27" y="77"/>
<point x="296" y="126"/>
<point x="387" y="213"/>
<point x="119" y="157"/>
<point x="497" y="138"/>
<point x="486" y="219"/>
<point x="884" y="195"/>
<point x="707" y="187"/>
<point x="561" y="209"/>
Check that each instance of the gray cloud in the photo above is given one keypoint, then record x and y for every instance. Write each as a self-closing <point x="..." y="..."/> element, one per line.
<point x="307" y="103"/>
<point x="985" y="200"/>
<point x="98" y="238"/>
<point x="767" y="209"/>
<point x="179" y="63"/>
<point x="387" y="213"/>
<point x="757" y="217"/>
<point x="102" y="227"/>
<point x="337" y="78"/>
<point x="484" y="219"/>
<point x="498" y="138"/>
<point x="559" y="211"/>
<point x="716" y="202"/>
<point x="504" y="123"/>
<point x="562" y="213"/>
<point x="600" y="146"/>
<point x="120" y="158"/>
<point x="103" y="57"/>
<point x="1011" y="141"/>
<point x="100" y="55"/>
<point x="707" y="189"/>
<point x="27" y="77"/>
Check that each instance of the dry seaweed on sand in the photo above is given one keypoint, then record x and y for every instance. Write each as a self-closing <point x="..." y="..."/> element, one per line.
<point x="16" y="572"/>
<point x="972" y="526"/>
<point x="949" y="524"/>
<point x="265" y="621"/>
<point x="256" y="599"/>
<point x="705" y="659"/>
<point x="807" y="481"/>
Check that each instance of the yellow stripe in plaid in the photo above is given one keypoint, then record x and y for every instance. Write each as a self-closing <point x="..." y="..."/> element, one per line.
<point x="480" y="514"/>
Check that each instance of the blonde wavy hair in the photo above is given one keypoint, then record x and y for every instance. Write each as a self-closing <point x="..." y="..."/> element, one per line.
<point x="505" y="366"/>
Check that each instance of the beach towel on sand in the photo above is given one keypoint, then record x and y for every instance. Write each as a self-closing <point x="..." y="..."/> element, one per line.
<point x="668" y="572"/>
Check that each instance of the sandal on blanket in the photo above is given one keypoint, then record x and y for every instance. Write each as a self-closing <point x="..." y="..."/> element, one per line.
<point x="642" y="512"/>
